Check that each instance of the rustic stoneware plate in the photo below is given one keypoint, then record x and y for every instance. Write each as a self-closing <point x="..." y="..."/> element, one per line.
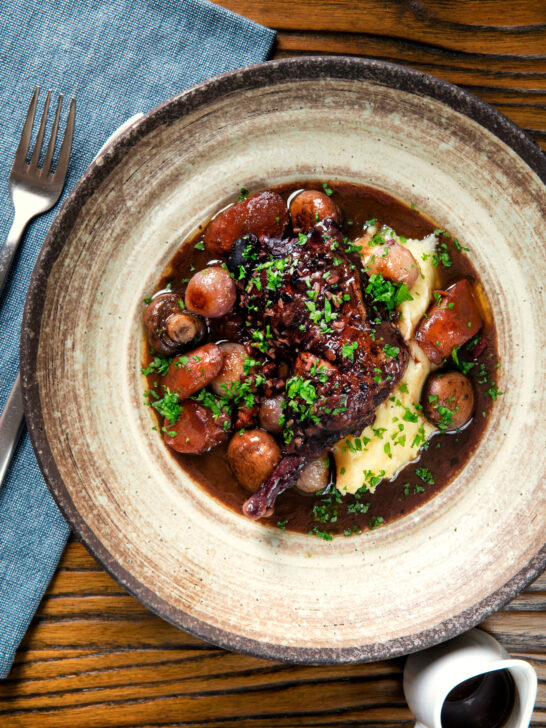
<point x="206" y="569"/>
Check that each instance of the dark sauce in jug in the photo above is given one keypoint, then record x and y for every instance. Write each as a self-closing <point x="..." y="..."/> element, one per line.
<point x="484" y="701"/>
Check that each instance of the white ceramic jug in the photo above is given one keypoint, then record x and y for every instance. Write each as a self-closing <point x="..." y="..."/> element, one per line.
<point x="429" y="677"/>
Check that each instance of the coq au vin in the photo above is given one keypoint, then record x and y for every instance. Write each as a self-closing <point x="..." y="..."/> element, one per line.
<point x="321" y="356"/>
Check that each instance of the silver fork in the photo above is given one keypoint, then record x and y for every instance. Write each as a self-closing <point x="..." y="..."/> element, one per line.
<point x="33" y="191"/>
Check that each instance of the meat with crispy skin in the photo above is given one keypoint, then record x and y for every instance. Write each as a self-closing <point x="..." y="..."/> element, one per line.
<point x="304" y="303"/>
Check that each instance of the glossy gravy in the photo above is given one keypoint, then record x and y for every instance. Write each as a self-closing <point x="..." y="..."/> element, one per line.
<point x="330" y="514"/>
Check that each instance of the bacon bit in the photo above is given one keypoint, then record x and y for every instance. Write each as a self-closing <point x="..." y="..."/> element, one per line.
<point x="246" y="417"/>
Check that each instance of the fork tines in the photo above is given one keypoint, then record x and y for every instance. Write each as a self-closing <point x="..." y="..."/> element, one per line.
<point x="24" y="144"/>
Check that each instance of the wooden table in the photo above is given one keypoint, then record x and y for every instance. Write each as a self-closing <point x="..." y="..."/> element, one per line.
<point x="94" y="656"/>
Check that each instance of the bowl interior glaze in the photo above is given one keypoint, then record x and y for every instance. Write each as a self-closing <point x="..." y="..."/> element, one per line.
<point x="208" y="570"/>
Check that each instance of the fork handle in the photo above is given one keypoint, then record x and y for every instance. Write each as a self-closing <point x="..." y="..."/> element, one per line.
<point x="11" y="426"/>
<point x="8" y="250"/>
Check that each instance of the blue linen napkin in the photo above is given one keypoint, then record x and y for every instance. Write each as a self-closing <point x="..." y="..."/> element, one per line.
<point x="117" y="57"/>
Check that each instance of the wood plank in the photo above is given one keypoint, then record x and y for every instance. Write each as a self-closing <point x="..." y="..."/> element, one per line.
<point x="77" y="558"/>
<point x="87" y="708"/>
<point x="206" y="671"/>
<point x="40" y="665"/>
<point x="475" y="30"/>
<point x="70" y="581"/>
<point x="314" y="701"/>
<point x="520" y="70"/>
<point x="129" y="633"/>
<point x="519" y="631"/>
<point x="107" y="607"/>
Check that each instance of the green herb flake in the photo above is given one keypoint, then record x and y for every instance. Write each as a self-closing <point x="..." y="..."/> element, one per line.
<point x="168" y="407"/>
<point x="425" y="475"/>
<point x="324" y="535"/>
<point x="159" y="365"/>
<point x="391" y="351"/>
<point x="376" y="521"/>
<point x="348" y="350"/>
<point x="494" y="392"/>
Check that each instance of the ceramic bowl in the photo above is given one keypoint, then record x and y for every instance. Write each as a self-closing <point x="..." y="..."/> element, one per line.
<point x="206" y="569"/>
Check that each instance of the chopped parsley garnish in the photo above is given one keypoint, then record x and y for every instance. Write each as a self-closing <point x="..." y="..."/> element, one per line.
<point x="446" y="416"/>
<point x="170" y="433"/>
<point x="351" y="247"/>
<point x="376" y="521"/>
<point x="493" y="392"/>
<point x="463" y="366"/>
<point x="457" y="244"/>
<point x="199" y="245"/>
<point x="371" y="479"/>
<point x="442" y="256"/>
<point x="326" y="511"/>
<point x="243" y="195"/>
<point x="324" y="535"/>
<point x="259" y="341"/>
<point x="327" y="189"/>
<point x="358" y="507"/>
<point x="159" y="365"/>
<point x="390" y="294"/>
<point x="301" y="396"/>
<point x="248" y="364"/>
<point x="391" y="351"/>
<point x="420" y="438"/>
<point x="148" y="300"/>
<point x="169" y="406"/>
<point x="348" y="350"/>
<point x="425" y="475"/>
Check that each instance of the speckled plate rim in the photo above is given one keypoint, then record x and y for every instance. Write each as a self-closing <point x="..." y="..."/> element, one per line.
<point x="347" y="68"/>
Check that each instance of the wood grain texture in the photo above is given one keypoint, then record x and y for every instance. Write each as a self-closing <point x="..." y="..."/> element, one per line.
<point x="94" y="657"/>
<point x="495" y="50"/>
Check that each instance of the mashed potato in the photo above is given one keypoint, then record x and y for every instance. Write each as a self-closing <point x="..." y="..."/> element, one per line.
<point x="399" y="430"/>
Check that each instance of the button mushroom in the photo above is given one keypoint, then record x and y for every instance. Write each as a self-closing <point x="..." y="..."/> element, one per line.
<point x="311" y="206"/>
<point x="211" y="292"/>
<point x="168" y="327"/>
<point x="448" y="400"/>
<point x="253" y="455"/>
